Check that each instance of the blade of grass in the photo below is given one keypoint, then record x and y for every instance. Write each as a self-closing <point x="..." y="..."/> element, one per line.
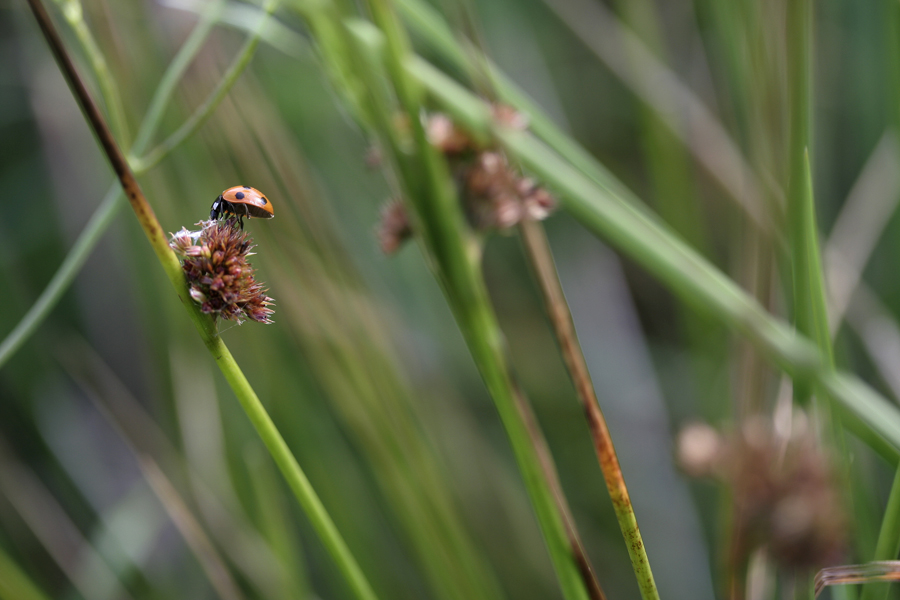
<point x="236" y="537"/>
<point x="154" y="156"/>
<point x="275" y="526"/>
<point x="815" y="277"/>
<point x="83" y="565"/>
<point x="541" y="259"/>
<point x="653" y="82"/>
<point x="798" y="25"/>
<point x="689" y="275"/>
<point x="109" y="90"/>
<point x="888" y="545"/>
<point x="14" y="583"/>
<point x="205" y="325"/>
<point x="190" y="529"/>
<point x="454" y="257"/>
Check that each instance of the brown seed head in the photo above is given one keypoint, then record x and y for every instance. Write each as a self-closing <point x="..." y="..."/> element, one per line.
<point x="444" y="135"/>
<point x="785" y="492"/>
<point x="394" y="227"/>
<point x="498" y="197"/>
<point x="214" y="260"/>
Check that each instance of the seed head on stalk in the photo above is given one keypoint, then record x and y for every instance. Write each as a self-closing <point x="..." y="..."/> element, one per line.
<point x="214" y="260"/>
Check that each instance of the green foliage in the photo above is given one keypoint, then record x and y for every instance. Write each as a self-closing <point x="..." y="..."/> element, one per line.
<point x="436" y="423"/>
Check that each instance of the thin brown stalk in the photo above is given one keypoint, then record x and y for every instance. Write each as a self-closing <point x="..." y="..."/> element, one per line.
<point x="541" y="259"/>
<point x="549" y="468"/>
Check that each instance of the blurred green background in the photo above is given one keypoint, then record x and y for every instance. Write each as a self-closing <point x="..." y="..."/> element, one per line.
<point x="364" y="371"/>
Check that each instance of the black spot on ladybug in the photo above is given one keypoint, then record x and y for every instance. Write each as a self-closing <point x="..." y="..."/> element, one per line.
<point x="263" y="198"/>
<point x="247" y="187"/>
<point x="239" y="195"/>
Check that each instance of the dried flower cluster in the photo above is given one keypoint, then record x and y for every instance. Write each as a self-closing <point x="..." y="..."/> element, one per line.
<point x="494" y="194"/>
<point x="394" y="227"/>
<point x="221" y="280"/>
<point x="785" y="491"/>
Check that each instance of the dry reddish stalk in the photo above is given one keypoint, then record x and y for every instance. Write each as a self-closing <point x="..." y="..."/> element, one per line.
<point x="561" y="319"/>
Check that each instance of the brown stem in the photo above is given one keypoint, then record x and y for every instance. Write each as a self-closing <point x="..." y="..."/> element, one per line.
<point x="546" y="461"/>
<point x="541" y="259"/>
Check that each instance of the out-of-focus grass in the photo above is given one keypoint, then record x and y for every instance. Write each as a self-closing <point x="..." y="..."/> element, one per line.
<point x="364" y="371"/>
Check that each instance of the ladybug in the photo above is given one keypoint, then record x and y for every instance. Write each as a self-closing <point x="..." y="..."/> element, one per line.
<point x="241" y="201"/>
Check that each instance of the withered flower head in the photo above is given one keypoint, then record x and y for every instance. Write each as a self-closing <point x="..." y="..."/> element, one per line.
<point x="214" y="260"/>
<point x="498" y="197"/>
<point x="785" y="491"/>
<point x="394" y="227"/>
<point x="444" y="135"/>
<point x="494" y="194"/>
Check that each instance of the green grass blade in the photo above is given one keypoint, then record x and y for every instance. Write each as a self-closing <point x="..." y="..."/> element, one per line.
<point x="888" y="545"/>
<point x="14" y="583"/>
<point x="688" y="274"/>
<point x="157" y="154"/>
<point x="799" y="192"/>
<point x="290" y="469"/>
<point x="63" y="277"/>
<point x="817" y="295"/>
<point x="109" y="90"/>
<point x="455" y="259"/>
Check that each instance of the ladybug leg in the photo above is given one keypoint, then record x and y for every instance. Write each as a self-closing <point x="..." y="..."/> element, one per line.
<point x="241" y="218"/>
<point x="217" y="209"/>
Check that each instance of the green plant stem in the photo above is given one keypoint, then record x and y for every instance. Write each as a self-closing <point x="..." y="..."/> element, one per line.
<point x="888" y="545"/>
<point x="541" y="259"/>
<point x="454" y="255"/>
<point x="154" y="156"/>
<point x="172" y="76"/>
<point x="191" y="531"/>
<point x="798" y="40"/>
<point x="63" y="277"/>
<point x="205" y="325"/>
<point x="727" y="165"/>
<point x="290" y="469"/>
<point x="605" y="212"/>
<point x="109" y="91"/>
<point x="14" y="583"/>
